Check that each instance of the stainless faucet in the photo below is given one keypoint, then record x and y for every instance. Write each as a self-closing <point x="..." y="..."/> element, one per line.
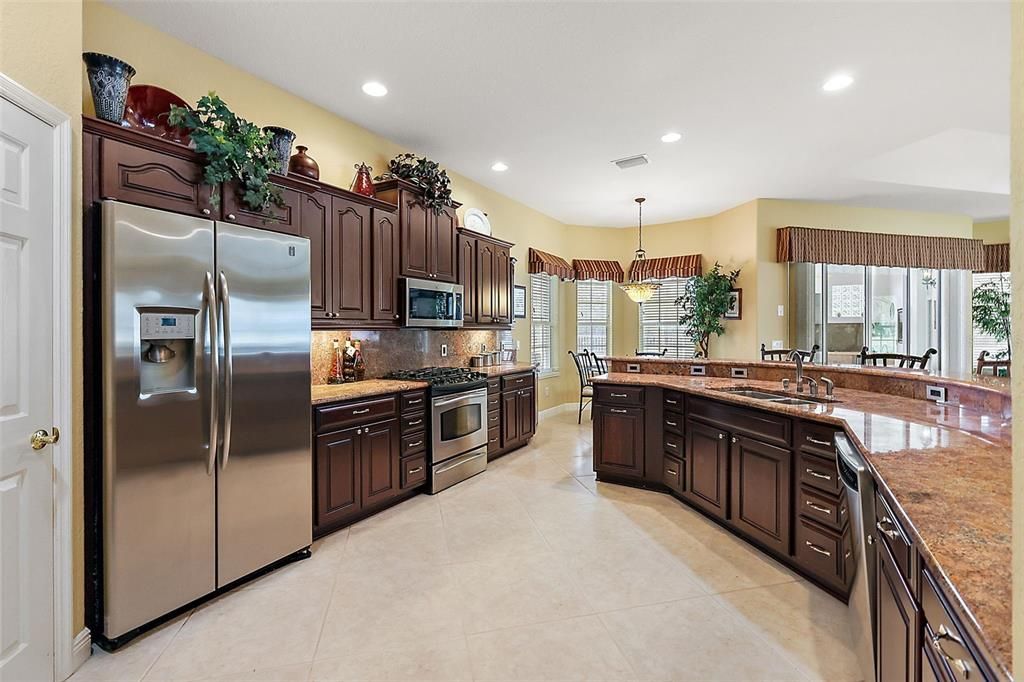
<point x="813" y="384"/>
<point x="829" y="386"/>
<point x="795" y="356"/>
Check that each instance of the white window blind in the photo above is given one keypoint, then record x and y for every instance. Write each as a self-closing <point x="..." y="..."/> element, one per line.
<point x="593" y="316"/>
<point x="543" y="321"/>
<point x="659" y="322"/>
<point x="984" y="341"/>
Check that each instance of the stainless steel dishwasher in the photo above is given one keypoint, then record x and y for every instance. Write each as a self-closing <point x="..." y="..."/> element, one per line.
<point x="860" y="496"/>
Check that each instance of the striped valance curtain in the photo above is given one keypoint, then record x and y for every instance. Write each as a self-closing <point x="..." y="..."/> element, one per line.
<point x="997" y="258"/>
<point x="541" y="261"/>
<point x="660" y="268"/>
<point x="600" y="270"/>
<point x="843" y="247"/>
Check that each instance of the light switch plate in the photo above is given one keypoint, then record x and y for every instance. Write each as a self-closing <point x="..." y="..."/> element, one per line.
<point x="782" y="311"/>
<point x="738" y="372"/>
<point x="777" y="344"/>
<point x="698" y="370"/>
<point x="633" y="367"/>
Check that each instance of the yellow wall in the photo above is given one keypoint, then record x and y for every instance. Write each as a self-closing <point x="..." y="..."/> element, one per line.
<point x="993" y="231"/>
<point x="41" y="49"/>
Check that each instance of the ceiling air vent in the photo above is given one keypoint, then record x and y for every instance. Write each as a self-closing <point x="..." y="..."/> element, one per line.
<point x="632" y="161"/>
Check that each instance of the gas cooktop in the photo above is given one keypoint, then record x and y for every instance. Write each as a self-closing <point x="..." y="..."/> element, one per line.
<point x="443" y="380"/>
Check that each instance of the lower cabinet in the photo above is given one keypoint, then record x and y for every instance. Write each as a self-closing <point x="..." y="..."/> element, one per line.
<point x="761" y="483"/>
<point x="512" y="413"/>
<point x="619" y="441"/>
<point x="895" y="639"/>
<point x="707" y="461"/>
<point x="378" y="458"/>
<point x="338" y="493"/>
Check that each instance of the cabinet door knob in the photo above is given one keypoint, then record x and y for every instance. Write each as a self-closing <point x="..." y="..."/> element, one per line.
<point x="206" y="211"/>
<point x="358" y="431"/>
<point x="231" y="216"/>
<point x="396" y="316"/>
<point x="735" y="439"/>
<point x="721" y="436"/>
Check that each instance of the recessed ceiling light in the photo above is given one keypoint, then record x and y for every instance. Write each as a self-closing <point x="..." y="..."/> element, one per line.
<point x="375" y="89"/>
<point x="671" y="137"/>
<point x="499" y="166"/>
<point x="840" y="81"/>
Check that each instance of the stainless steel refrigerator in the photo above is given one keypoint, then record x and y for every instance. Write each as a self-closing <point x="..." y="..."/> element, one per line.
<point x="206" y="386"/>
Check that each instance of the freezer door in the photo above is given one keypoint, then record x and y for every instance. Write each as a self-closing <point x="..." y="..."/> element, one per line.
<point x="264" y="478"/>
<point x="159" y="535"/>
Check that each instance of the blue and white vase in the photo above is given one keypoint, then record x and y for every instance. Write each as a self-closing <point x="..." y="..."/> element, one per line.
<point x="281" y="145"/>
<point x="109" y="79"/>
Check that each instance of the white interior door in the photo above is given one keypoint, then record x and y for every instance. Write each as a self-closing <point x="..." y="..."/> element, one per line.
<point x="26" y="395"/>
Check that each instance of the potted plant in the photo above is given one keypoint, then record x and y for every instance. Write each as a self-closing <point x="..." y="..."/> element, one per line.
<point x="233" y="149"/>
<point x="421" y="171"/>
<point x="704" y="304"/>
<point x="991" y="311"/>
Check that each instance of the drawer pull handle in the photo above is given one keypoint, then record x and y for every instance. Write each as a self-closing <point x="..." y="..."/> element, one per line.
<point x="412" y="445"/>
<point x="818" y="474"/>
<point x="823" y="443"/>
<point x="671" y="402"/>
<point x="817" y="549"/>
<point x="415" y="471"/>
<point x="417" y="422"/>
<point x="885" y="525"/>
<point x="818" y="508"/>
<point x="415" y="402"/>
<point x="364" y="411"/>
<point x="618" y="411"/>
<point x="672" y="445"/>
<point x="671" y="423"/>
<point x="671" y="472"/>
<point x="619" y="395"/>
<point x="493" y="440"/>
<point x="959" y="663"/>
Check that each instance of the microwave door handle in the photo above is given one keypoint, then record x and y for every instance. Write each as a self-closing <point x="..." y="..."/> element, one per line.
<point x="210" y="305"/>
<point x="229" y="370"/>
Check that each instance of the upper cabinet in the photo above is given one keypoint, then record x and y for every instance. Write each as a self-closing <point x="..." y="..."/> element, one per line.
<point x="429" y="248"/>
<point x="485" y="271"/>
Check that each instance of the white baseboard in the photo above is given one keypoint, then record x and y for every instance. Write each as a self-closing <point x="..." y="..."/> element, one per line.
<point x="557" y="409"/>
<point x="81" y="650"/>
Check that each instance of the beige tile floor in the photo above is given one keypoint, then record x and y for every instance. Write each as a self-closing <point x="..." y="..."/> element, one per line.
<point x="530" y="571"/>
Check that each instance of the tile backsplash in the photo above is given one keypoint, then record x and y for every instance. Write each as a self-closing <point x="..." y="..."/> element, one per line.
<point x="389" y="350"/>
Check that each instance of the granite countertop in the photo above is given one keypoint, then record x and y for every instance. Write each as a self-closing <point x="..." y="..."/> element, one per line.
<point x="332" y="393"/>
<point x="947" y="466"/>
<point x="504" y="368"/>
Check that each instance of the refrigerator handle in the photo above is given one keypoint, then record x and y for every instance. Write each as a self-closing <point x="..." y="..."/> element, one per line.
<point x="229" y="373"/>
<point x="210" y="301"/>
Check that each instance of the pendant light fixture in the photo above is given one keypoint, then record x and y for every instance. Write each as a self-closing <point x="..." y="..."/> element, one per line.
<point x="639" y="291"/>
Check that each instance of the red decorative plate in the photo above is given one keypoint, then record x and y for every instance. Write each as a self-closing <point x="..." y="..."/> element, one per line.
<point x="147" y="108"/>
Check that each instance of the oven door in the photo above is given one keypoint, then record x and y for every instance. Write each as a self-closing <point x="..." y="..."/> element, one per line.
<point x="459" y="423"/>
<point x="433" y="304"/>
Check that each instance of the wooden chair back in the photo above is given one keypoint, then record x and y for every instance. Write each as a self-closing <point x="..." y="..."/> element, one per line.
<point x="904" y="360"/>
<point x="998" y="367"/>
<point x="651" y="354"/>
<point x="782" y="354"/>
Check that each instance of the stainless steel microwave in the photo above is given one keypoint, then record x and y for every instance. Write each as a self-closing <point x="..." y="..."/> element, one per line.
<point x="432" y="304"/>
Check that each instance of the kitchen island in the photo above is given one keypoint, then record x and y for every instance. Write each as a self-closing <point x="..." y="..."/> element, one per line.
<point x="942" y="469"/>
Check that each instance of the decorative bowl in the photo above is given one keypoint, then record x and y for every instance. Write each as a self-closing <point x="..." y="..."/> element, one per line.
<point x="147" y="109"/>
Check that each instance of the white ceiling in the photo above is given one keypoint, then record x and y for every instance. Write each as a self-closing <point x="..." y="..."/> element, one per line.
<point x="559" y="89"/>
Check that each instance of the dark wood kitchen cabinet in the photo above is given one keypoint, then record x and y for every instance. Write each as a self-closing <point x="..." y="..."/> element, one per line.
<point x="443" y="245"/>
<point x="501" y="288"/>
<point x="384" y="269"/>
<point x="761" y="503"/>
<point x="619" y="441"/>
<point x="351" y="255"/>
<point x="468" y="273"/>
<point x="485" y="272"/>
<point x="314" y="224"/>
<point x="283" y="218"/>
<point x="428" y="241"/>
<point x="379" y="458"/>
<point x="707" y="460"/>
<point x="511" y="412"/>
<point x="338" y="493"/>
<point x="141" y="175"/>
<point x="896" y="635"/>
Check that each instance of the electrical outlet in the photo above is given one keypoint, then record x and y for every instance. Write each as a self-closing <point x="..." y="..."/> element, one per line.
<point x="937" y="393"/>
<point x="782" y="311"/>
<point x="547" y="391"/>
<point x="698" y="370"/>
<point x="777" y="344"/>
<point x="444" y="350"/>
<point x="738" y="372"/>
<point x="633" y="367"/>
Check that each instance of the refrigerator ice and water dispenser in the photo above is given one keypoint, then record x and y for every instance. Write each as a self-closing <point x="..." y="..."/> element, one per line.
<point x="167" y="343"/>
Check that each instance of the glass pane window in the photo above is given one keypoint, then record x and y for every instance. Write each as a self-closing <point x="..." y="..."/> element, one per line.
<point x="593" y="317"/>
<point x="659" y="322"/>
<point x="844" y="312"/>
<point x="924" y="323"/>
<point x="983" y="341"/>
<point x="543" y="321"/>
<point x="888" y="309"/>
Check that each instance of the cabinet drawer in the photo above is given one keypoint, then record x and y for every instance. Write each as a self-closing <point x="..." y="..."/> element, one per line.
<point x="619" y="395"/>
<point x="414" y="471"/>
<point x="494" y="385"/>
<point x="822" y="551"/>
<point x="672" y="473"/>
<point x="493" y="419"/>
<point x="888" y="527"/>
<point x="414" y="443"/>
<point x="826" y="510"/>
<point x="140" y="176"/>
<point x="411" y="423"/>
<point x="516" y="381"/>
<point x="765" y="426"/>
<point x="673" y="422"/>
<point x="942" y="634"/>
<point x="347" y="414"/>
<point x="493" y="439"/>
<point x="819" y="473"/>
<point x="493" y="401"/>
<point x="673" y="401"/>
<point x="674" y="444"/>
<point x="414" y="402"/>
<point x="817" y="438"/>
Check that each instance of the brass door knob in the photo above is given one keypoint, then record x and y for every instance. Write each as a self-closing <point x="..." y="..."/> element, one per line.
<point x="40" y="439"/>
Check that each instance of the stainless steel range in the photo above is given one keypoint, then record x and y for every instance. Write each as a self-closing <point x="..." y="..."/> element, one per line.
<point x="458" y="400"/>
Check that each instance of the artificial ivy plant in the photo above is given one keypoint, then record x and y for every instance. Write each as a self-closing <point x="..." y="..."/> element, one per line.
<point x="430" y="177"/>
<point x="704" y="303"/>
<point x="232" y="149"/>
<point x="991" y="311"/>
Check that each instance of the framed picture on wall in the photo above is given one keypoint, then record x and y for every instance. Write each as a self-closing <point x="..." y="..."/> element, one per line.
<point x="735" y="311"/>
<point x="519" y="302"/>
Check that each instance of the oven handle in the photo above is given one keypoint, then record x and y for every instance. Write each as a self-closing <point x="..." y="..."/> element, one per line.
<point x="461" y="398"/>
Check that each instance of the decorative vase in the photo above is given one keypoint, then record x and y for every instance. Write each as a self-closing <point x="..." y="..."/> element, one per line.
<point x="362" y="183"/>
<point x="304" y="164"/>
<point x="281" y="145"/>
<point x="109" y="79"/>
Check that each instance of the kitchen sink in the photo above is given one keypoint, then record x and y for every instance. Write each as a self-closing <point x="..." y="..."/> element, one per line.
<point x="777" y="398"/>
<point x="751" y="393"/>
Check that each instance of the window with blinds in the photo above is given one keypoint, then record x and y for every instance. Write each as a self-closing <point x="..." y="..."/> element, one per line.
<point x="543" y="321"/>
<point x="659" y="321"/>
<point x="984" y="341"/>
<point x="593" y="316"/>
